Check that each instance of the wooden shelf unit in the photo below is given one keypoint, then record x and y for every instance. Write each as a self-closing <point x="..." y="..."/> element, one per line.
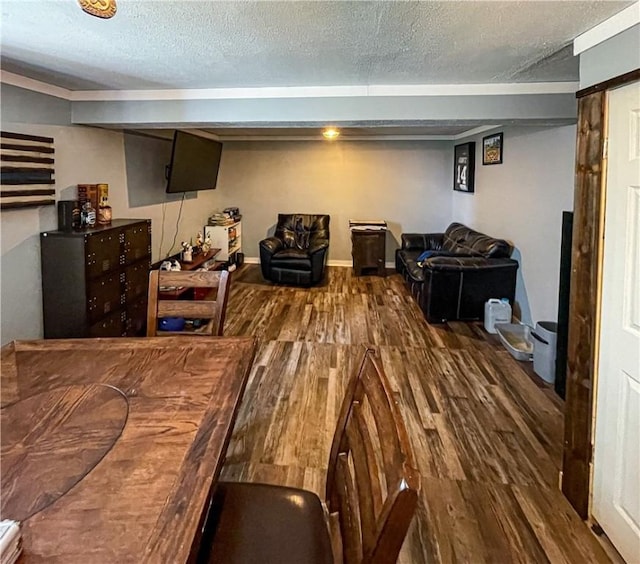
<point x="227" y="237"/>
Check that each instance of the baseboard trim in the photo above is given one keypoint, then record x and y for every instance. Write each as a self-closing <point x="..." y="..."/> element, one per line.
<point x="342" y="263"/>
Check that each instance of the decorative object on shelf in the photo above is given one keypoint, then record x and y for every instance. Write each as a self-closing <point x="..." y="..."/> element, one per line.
<point x="206" y="245"/>
<point x="104" y="9"/>
<point x="228" y="216"/>
<point x="105" y="213"/>
<point x="27" y="171"/>
<point x="170" y="265"/>
<point x="187" y="252"/>
<point x="492" y="149"/>
<point x="464" y="167"/>
<point x="88" y="193"/>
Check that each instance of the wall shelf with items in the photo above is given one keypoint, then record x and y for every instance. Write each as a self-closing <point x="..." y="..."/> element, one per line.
<point x="228" y="238"/>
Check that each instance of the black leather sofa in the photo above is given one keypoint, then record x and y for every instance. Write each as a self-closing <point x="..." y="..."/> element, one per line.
<point x="465" y="268"/>
<point x="297" y="253"/>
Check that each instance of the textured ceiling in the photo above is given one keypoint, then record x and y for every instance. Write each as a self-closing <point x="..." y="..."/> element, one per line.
<point x="192" y="44"/>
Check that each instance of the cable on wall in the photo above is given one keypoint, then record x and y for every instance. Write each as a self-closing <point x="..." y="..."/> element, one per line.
<point x="175" y="235"/>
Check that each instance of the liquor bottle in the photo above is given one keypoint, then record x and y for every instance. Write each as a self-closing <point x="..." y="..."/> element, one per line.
<point x="104" y="209"/>
<point x="104" y="212"/>
<point x="88" y="216"/>
<point x="76" y="222"/>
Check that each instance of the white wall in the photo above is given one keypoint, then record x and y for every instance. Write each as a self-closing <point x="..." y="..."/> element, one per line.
<point x="522" y="201"/>
<point x="405" y="183"/>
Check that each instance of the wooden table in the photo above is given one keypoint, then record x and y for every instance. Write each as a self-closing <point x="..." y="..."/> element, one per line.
<point x="111" y="447"/>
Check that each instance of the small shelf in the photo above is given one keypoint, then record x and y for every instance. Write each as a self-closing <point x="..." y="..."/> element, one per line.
<point x="227" y="237"/>
<point x="198" y="261"/>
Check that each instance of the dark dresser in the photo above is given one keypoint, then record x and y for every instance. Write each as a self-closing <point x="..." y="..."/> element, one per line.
<point x="94" y="282"/>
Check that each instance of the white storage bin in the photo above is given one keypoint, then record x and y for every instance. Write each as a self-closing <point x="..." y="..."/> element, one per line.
<point x="496" y="311"/>
<point x="516" y="338"/>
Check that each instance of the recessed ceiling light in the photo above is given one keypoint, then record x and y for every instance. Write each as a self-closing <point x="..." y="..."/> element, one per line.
<point x="330" y="133"/>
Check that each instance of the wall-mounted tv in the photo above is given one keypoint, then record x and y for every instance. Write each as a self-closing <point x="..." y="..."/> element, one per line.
<point x="195" y="162"/>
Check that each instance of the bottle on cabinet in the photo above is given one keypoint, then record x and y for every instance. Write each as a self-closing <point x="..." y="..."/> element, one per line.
<point x="88" y="199"/>
<point x="105" y="212"/>
<point x="88" y="216"/>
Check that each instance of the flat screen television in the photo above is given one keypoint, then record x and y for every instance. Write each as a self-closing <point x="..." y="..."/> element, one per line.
<point x="194" y="165"/>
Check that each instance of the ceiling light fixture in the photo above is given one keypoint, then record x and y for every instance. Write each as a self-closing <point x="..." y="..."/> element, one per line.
<point x="100" y="8"/>
<point x="330" y="133"/>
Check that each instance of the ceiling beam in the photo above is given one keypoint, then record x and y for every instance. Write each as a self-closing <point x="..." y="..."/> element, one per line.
<point x="614" y="25"/>
<point x="279" y="112"/>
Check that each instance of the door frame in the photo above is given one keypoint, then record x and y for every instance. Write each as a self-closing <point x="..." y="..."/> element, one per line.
<point x="585" y="293"/>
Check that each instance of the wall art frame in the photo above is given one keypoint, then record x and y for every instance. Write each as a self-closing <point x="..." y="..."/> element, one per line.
<point x="492" y="149"/>
<point x="464" y="160"/>
<point x="27" y="171"/>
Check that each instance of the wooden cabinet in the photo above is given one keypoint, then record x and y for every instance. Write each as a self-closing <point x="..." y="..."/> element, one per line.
<point x="94" y="282"/>
<point x="368" y="251"/>
<point x="228" y="238"/>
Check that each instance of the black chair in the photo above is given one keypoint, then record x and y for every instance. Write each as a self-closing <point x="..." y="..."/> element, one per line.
<point x="297" y="253"/>
<point x="208" y="308"/>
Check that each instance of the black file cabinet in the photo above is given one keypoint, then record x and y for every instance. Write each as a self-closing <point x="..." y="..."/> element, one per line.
<point x="94" y="282"/>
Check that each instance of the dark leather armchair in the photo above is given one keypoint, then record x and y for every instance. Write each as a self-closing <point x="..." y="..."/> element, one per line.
<point x="297" y="253"/>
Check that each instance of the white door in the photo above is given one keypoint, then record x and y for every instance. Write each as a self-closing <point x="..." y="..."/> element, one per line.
<point x="616" y="487"/>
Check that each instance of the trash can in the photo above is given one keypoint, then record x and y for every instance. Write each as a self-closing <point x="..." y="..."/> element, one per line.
<point x="545" y="337"/>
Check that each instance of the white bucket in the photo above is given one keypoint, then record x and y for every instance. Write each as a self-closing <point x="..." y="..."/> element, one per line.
<point x="544" y="350"/>
<point x="496" y="311"/>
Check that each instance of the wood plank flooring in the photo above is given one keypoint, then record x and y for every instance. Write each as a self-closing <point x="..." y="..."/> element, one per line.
<point x="487" y="434"/>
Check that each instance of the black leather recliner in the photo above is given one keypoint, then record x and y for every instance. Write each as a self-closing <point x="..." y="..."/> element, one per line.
<point x="297" y="253"/>
<point x="465" y="268"/>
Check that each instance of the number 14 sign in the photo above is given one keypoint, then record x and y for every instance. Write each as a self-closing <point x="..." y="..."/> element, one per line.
<point x="464" y="166"/>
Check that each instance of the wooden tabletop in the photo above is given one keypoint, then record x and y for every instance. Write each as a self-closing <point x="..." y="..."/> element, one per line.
<point x="110" y="447"/>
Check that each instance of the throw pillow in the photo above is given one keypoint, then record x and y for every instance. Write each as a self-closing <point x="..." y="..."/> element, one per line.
<point x="424" y="256"/>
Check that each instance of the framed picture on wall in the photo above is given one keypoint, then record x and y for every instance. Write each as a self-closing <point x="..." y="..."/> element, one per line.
<point x="464" y="160"/>
<point x="492" y="149"/>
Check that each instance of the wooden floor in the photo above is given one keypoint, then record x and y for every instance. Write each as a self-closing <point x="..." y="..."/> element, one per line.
<point x="486" y="434"/>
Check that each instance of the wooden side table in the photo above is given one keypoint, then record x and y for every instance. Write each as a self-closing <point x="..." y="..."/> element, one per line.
<point x="203" y="259"/>
<point x="368" y="251"/>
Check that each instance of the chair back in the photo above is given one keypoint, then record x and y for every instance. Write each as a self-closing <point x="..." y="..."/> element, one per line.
<point x="302" y="230"/>
<point x="372" y="481"/>
<point x="213" y="310"/>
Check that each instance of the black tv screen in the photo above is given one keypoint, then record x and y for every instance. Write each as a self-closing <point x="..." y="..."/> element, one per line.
<point x="195" y="162"/>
